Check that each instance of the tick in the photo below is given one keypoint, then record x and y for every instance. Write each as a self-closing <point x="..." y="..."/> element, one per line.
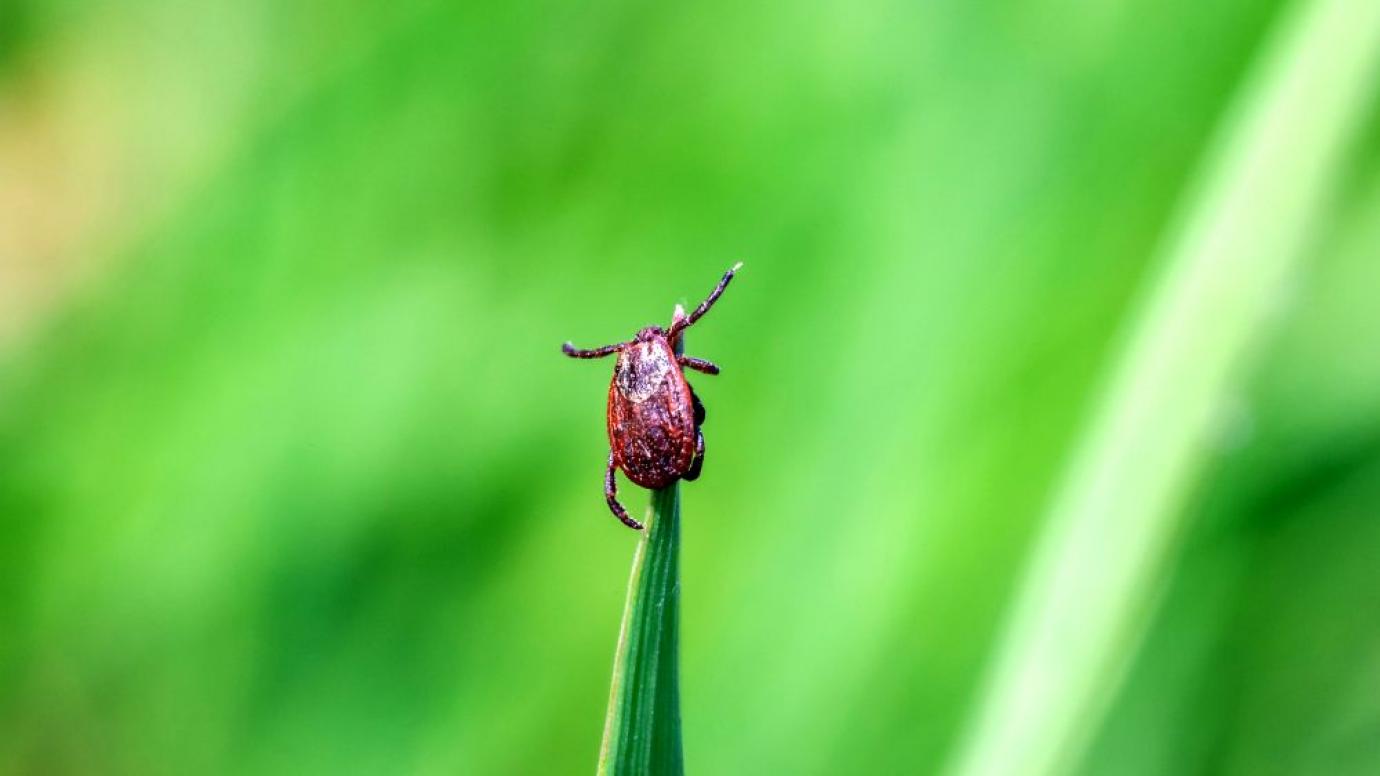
<point x="654" y="416"/>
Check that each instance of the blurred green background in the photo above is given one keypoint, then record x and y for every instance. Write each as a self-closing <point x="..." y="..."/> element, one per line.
<point x="294" y="479"/>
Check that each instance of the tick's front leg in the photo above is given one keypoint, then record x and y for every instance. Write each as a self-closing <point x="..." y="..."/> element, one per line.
<point x="698" y="364"/>
<point x="611" y="495"/>
<point x="574" y="352"/>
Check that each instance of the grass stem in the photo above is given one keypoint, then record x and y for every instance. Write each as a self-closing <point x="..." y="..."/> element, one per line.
<point x="642" y="734"/>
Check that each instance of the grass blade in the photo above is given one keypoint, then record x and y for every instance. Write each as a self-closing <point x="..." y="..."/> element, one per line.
<point x="1113" y="522"/>
<point x="642" y="729"/>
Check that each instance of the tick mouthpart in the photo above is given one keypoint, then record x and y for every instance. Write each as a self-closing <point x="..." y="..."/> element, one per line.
<point x="650" y="333"/>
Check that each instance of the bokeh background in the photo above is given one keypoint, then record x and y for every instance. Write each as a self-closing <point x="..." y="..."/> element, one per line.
<point x="294" y="479"/>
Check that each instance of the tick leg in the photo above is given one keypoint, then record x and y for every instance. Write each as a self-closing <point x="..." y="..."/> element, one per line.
<point x="699" y="408"/>
<point x="611" y="495"/>
<point x="574" y="352"/>
<point x="699" y="364"/>
<point x="698" y="461"/>
<point x="681" y="325"/>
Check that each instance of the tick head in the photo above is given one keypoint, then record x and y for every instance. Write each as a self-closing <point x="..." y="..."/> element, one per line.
<point x="650" y="333"/>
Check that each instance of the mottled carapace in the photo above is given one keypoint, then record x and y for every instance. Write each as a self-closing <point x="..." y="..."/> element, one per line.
<point x="654" y="416"/>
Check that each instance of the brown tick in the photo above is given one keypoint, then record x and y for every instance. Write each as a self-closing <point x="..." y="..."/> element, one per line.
<point x="654" y="416"/>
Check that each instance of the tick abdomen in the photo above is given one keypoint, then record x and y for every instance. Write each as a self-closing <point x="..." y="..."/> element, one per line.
<point x="651" y="417"/>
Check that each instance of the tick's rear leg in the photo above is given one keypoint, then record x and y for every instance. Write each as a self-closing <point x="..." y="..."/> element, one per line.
<point x="699" y="364"/>
<point x="611" y="495"/>
<point x="699" y="408"/>
<point x="698" y="461"/>
<point x="574" y="352"/>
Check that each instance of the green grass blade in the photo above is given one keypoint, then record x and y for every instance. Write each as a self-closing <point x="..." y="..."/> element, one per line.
<point x="1115" y="518"/>
<point x="642" y="727"/>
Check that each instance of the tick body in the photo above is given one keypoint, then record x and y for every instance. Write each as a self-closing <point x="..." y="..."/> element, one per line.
<point x="654" y="416"/>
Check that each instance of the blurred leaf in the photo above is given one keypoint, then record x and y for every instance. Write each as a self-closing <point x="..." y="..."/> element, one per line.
<point x="1082" y="604"/>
